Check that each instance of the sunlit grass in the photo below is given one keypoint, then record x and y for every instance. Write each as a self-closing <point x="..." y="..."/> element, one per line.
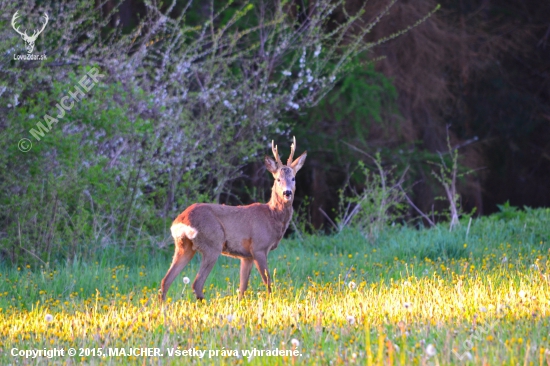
<point x="428" y="297"/>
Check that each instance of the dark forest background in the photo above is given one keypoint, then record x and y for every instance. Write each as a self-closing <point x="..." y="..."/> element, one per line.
<point x="482" y="67"/>
<point x="476" y="72"/>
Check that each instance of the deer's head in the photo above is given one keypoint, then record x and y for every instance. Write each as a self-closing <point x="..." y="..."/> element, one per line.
<point x="284" y="175"/>
<point x="29" y="40"/>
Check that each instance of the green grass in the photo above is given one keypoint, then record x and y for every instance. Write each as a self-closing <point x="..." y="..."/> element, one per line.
<point x="472" y="296"/>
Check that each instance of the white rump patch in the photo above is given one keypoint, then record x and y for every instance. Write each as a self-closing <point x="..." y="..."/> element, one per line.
<point x="179" y="230"/>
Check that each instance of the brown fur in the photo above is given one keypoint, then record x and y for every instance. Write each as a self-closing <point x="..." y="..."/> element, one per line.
<point x="244" y="232"/>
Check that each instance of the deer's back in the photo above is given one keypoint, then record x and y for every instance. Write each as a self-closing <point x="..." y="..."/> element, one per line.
<point x="236" y="228"/>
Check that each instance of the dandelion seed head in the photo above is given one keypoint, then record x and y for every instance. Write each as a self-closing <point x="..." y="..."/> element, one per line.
<point x="350" y="319"/>
<point x="352" y="285"/>
<point x="186" y="280"/>
<point x="48" y="317"/>
<point x="295" y="342"/>
<point x="430" y="350"/>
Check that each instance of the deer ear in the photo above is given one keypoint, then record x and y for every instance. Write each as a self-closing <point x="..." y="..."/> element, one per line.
<point x="299" y="162"/>
<point x="270" y="165"/>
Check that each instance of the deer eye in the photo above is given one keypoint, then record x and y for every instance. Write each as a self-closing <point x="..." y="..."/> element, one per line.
<point x="278" y="180"/>
<point x="293" y="179"/>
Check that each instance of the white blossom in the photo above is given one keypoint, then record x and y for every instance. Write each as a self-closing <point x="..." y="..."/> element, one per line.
<point x="293" y="105"/>
<point x="317" y="51"/>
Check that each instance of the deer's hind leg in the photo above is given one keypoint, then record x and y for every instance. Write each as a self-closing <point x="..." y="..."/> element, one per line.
<point x="207" y="263"/>
<point x="183" y="254"/>
<point x="210" y="246"/>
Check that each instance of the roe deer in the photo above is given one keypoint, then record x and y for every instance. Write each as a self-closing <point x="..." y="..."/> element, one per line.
<point x="244" y="232"/>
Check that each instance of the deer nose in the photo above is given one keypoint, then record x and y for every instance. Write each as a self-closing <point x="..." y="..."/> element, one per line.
<point x="287" y="193"/>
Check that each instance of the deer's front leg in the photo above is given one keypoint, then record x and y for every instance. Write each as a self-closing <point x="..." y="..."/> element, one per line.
<point x="246" y="266"/>
<point x="260" y="260"/>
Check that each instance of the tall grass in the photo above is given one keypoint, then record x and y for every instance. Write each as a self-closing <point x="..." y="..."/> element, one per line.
<point x="478" y="294"/>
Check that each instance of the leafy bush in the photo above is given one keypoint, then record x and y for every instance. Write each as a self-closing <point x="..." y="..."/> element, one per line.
<point x="378" y="203"/>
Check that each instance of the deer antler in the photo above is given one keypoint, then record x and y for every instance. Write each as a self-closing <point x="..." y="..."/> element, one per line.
<point x="13" y="20"/>
<point x="35" y="33"/>
<point x="292" y="149"/>
<point x="276" y="154"/>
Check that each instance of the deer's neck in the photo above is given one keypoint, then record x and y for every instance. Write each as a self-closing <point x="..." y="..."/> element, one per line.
<point x="281" y="209"/>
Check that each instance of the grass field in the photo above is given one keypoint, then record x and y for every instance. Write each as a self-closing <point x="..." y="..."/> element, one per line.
<point x="474" y="296"/>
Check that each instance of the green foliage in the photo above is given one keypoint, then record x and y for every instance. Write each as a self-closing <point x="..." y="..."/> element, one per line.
<point x="507" y="212"/>
<point x="362" y="99"/>
<point x="379" y="203"/>
<point x="301" y="219"/>
<point x="84" y="196"/>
